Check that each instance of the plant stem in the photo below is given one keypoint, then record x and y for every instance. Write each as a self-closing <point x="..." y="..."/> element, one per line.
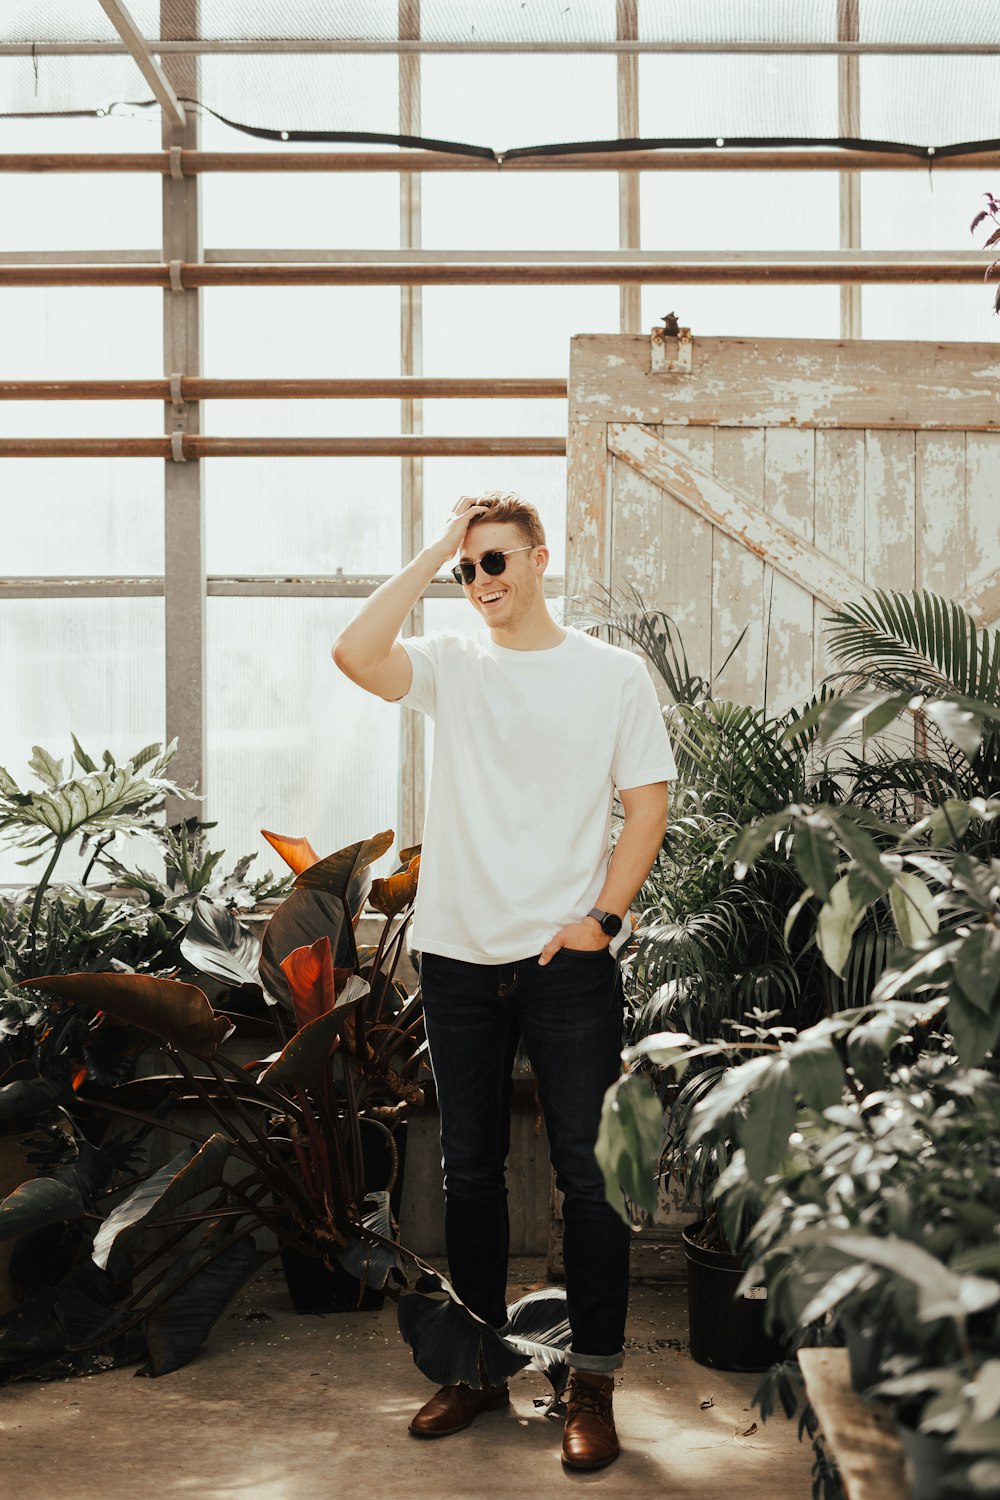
<point x="36" y="905"/>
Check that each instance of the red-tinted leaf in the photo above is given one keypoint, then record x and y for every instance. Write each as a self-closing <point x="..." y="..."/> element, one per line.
<point x="299" y="921"/>
<point x="337" y="873"/>
<point x="176" y="1013"/>
<point x="304" y="1058"/>
<point x="297" y="853"/>
<point x="313" y="981"/>
<point x="389" y="896"/>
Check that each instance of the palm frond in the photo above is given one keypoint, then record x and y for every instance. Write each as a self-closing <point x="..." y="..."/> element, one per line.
<point x="919" y="640"/>
<point x="629" y="622"/>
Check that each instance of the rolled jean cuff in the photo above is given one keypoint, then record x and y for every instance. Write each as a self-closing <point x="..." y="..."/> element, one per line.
<point x="595" y="1364"/>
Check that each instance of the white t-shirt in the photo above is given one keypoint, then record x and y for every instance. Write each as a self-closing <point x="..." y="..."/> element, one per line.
<point x="528" y="748"/>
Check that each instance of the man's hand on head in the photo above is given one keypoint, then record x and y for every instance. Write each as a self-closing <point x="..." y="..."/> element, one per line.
<point x="465" y="510"/>
<point x="584" y="937"/>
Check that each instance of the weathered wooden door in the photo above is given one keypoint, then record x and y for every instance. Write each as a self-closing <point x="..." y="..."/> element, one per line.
<point x="757" y="482"/>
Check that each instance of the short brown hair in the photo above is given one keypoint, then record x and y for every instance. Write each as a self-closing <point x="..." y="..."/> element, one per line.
<point x="505" y="505"/>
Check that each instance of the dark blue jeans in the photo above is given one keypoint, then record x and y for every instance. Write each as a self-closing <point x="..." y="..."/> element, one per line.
<point x="570" y="1016"/>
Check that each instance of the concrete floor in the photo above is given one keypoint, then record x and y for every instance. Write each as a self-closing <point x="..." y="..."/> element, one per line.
<point x="282" y="1407"/>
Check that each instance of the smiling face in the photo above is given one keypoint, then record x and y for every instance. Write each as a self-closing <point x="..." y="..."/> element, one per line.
<point x="507" y="600"/>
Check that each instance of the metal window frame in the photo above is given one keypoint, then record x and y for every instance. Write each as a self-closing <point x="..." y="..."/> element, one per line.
<point x="185" y="586"/>
<point x="205" y="46"/>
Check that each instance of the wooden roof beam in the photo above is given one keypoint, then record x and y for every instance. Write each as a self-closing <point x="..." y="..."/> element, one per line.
<point x="150" y="69"/>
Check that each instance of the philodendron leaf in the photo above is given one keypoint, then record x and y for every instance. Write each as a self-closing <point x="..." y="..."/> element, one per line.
<point x="368" y="1262"/>
<point x="304" y="1058"/>
<point x="28" y="1096"/>
<point x="216" y="943"/>
<point x="539" y="1327"/>
<point x="176" y="1013"/>
<point x="301" y="919"/>
<point x="629" y="1142"/>
<point x="338" y="873"/>
<point x="313" y="982"/>
<point x="41" y="1201"/>
<point x="46" y="767"/>
<point x="452" y="1346"/>
<point x="391" y="895"/>
<point x="913" y="909"/>
<point x="838" y="921"/>
<point x="205" y="1285"/>
<point x="770" y="1119"/>
<point x="81" y="757"/>
<point x="297" y="853"/>
<point x="189" y="1174"/>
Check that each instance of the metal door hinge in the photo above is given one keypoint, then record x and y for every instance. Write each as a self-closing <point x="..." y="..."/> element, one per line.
<point x="670" y="350"/>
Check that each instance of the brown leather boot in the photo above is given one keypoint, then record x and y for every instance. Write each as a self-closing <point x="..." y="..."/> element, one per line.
<point x="589" y="1439"/>
<point x="453" y="1407"/>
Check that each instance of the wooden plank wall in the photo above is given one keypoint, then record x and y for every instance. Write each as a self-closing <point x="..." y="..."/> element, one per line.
<point x="896" y="506"/>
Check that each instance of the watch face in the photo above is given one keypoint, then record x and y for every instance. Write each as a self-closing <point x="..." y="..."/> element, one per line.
<point x="611" y="924"/>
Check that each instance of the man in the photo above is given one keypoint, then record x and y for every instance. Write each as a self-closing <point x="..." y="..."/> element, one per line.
<point x="517" y="905"/>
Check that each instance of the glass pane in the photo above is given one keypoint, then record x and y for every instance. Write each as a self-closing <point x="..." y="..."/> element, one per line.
<point x="542" y="481"/>
<point x="523" y="418"/>
<point x="293" y="746"/>
<point x="922" y="210"/>
<point x="520" y="211"/>
<point x="283" y="418"/>
<point x="377" y="19"/>
<point x="718" y="95"/>
<point x="772" y="312"/>
<point x="932" y="101"/>
<point x="301" y="90"/>
<point x="945" y="313"/>
<point x="739" y="210"/>
<point x="455" y="21"/>
<point x="295" y="210"/>
<point x="80" y="333"/>
<point x="511" y="330"/>
<point x="303" y="515"/>
<point x="91" y="667"/>
<point x="306" y="331"/>
<point x="82" y="515"/>
<point x="80" y="210"/>
<point x="523" y="100"/>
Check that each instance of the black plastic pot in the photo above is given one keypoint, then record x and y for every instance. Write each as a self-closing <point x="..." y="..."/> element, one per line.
<point x="317" y="1288"/>
<point x="726" y="1330"/>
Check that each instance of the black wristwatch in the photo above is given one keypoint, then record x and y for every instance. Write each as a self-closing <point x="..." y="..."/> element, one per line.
<point x="610" y="924"/>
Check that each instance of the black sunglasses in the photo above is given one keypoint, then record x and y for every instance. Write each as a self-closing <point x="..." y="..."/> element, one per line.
<point x="492" y="563"/>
